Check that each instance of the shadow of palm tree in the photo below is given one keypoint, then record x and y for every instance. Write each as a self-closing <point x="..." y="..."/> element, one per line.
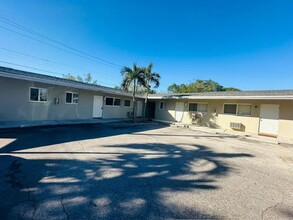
<point x="140" y="181"/>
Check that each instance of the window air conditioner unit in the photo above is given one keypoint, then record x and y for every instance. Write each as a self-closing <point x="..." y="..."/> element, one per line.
<point x="235" y="125"/>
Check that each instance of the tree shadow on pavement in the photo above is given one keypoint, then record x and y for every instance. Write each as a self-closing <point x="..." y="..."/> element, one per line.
<point x="140" y="181"/>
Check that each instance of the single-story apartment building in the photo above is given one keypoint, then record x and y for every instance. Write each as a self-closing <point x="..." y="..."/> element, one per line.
<point x="258" y="112"/>
<point x="27" y="96"/>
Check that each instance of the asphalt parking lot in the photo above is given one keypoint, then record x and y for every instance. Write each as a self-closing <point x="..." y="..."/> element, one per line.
<point x="141" y="171"/>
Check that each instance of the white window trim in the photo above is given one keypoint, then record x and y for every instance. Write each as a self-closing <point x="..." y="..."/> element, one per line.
<point x="29" y="98"/>
<point x="71" y="103"/>
<point x="230" y="104"/>
<point x="244" y="114"/>
<point x="203" y="103"/>
<point x="125" y="105"/>
<point x="192" y="103"/>
<point x="116" y="106"/>
<point x="237" y="104"/>
<point x="199" y="103"/>
<point x="164" y="105"/>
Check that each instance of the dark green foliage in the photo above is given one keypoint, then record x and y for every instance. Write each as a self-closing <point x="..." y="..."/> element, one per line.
<point x="86" y="78"/>
<point x="131" y="79"/>
<point x="199" y="86"/>
<point x="150" y="78"/>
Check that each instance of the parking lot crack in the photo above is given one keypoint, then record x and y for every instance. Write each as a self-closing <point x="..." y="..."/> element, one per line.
<point x="271" y="207"/>
<point x="81" y="144"/>
<point x="63" y="207"/>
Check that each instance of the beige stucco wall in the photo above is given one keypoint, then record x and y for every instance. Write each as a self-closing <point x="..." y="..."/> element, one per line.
<point x="215" y="117"/>
<point x="15" y="104"/>
<point x="117" y="111"/>
<point x="286" y="119"/>
<point x="166" y="114"/>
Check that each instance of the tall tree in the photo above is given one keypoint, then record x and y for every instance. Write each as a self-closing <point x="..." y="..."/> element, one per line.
<point x="199" y="86"/>
<point x="231" y="89"/>
<point x="150" y="77"/>
<point x="86" y="78"/>
<point x="133" y="77"/>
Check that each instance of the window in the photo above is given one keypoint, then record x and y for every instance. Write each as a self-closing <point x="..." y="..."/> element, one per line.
<point x="162" y="105"/>
<point x="71" y="98"/>
<point x="244" y="110"/>
<point x="192" y="107"/>
<point x="127" y="102"/>
<point x="117" y="102"/>
<point x="38" y="95"/>
<point x="237" y="109"/>
<point x="109" y="101"/>
<point x="202" y="108"/>
<point x="112" y="101"/>
<point x="197" y="107"/>
<point x="230" y="109"/>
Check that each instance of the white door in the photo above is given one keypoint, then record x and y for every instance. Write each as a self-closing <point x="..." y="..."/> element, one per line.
<point x="98" y="107"/>
<point x="139" y="109"/>
<point x="269" y="119"/>
<point x="179" y="109"/>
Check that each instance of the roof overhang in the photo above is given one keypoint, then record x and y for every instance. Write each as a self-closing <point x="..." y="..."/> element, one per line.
<point x="67" y="83"/>
<point x="222" y="97"/>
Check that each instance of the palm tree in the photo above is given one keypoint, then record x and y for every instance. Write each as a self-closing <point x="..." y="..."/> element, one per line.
<point x="150" y="78"/>
<point x="132" y="77"/>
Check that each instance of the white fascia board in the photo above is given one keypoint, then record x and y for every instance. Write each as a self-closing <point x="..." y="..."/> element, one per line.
<point x="65" y="84"/>
<point x="164" y="97"/>
<point x="242" y="97"/>
<point x="225" y="97"/>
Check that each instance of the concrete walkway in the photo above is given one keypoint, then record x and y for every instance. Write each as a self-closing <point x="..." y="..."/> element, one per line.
<point x="23" y="124"/>
<point x="244" y="135"/>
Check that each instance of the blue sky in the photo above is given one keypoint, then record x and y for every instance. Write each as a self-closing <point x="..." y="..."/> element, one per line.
<point x="244" y="44"/>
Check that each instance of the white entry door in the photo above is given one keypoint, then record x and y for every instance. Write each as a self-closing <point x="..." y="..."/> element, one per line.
<point x="98" y="107"/>
<point x="139" y="109"/>
<point x="269" y="119"/>
<point x="179" y="110"/>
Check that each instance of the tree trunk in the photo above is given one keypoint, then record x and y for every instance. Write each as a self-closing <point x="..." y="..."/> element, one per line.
<point x="133" y="100"/>
<point x="145" y="104"/>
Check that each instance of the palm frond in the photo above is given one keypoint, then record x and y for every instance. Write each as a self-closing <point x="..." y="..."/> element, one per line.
<point x="126" y="70"/>
<point x="155" y="79"/>
<point x="126" y="82"/>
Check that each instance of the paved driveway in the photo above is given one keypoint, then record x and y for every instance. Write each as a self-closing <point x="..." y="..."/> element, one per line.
<point x="142" y="171"/>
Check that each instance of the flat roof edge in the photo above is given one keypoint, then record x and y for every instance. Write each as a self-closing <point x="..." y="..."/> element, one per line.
<point x="224" y="97"/>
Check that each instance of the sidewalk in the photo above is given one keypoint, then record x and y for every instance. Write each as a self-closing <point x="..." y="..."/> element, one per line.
<point x="243" y="135"/>
<point x="25" y="124"/>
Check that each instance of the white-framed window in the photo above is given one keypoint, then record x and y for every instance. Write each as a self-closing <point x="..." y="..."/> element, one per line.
<point x="230" y="109"/>
<point x="38" y="94"/>
<point x="127" y="102"/>
<point x="238" y="109"/>
<point x="117" y="102"/>
<point x="202" y="108"/>
<point x="109" y="101"/>
<point x="112" y="101"/>
<point x="198" y="107"/>
<point x="71" y="98"/>
<point x="244" y="109"/>
<point x="162" y="105"/>
<point x="192" y="107"/>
